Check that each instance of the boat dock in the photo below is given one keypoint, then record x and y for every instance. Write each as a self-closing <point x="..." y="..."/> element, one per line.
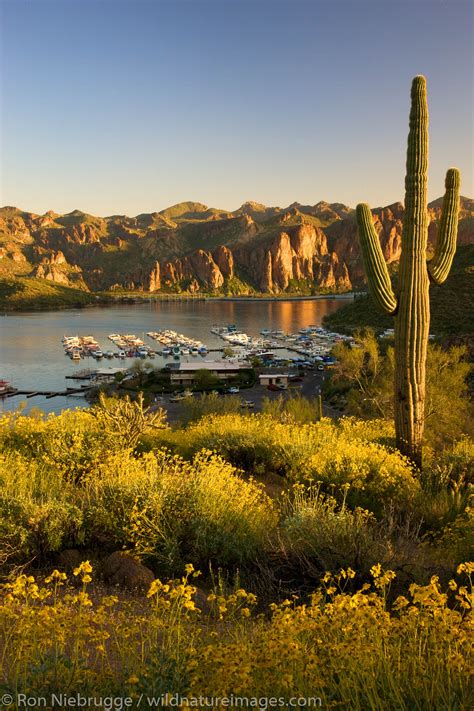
<point x="49" y="393"/>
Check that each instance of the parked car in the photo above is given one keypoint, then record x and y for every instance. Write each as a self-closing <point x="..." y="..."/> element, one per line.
<point x="295" y="379"/>
<point x="320" y="366"/>
<point x="272" y="387"/>
<point x="233" y="390"/>
<point x="247" y="403"/>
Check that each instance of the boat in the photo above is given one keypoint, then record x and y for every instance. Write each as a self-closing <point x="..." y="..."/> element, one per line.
<point x="75" y="355"/>
<point x="166" y="352"/>
<point x="194" y="351"/>
<point x="6" y="388"/>
<point x="176" y="351"/>
<point x="203" y="350"/>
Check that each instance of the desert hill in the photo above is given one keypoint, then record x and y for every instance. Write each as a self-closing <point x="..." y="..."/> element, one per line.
<point x="193" y="247"/>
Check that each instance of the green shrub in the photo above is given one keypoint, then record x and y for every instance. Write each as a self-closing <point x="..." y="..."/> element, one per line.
<point x="38" y="514"/>
<point x="209" y="404"/>
<point x="70" y="444"/>
<point x="319" y="534"/>
<point x="292" y="409"/>
<point x="327" y="452"/>
<point x="170" y="510"/>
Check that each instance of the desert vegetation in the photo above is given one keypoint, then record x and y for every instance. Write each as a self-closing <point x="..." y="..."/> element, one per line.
<point x="256" y="555"/>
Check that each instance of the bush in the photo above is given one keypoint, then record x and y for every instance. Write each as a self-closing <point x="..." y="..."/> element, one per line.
<point x="38" y="514"/>
<point x="318" y="534"/>
<point x="170" y="510"/>
<point x="70" y="444"/>
<point x="292" y="409"/>
<point x="209" y="404"/>
<point x="327" y="452"/>
<point x="348" y="650"/>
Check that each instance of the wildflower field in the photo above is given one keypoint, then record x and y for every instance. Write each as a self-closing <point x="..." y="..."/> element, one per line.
<point x="278" y="559"/>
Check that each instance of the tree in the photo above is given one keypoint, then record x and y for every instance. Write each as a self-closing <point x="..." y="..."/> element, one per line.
<point x="367" y="372"/>
<point x="205" y="380"/>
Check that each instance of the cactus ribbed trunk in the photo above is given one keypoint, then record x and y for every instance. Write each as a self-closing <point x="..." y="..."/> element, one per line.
<point x="412" y="321"/>
<point x="411" y="306"/>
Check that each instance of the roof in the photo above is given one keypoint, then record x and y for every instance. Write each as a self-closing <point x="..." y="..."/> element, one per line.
<point x="205" y="365"/>
<point x="274" y="375"/>
<point x="110" y="371"/>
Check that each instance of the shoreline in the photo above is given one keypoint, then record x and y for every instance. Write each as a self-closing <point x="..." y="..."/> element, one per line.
<point x="5" y="310"/>
<point x="312" y="297"/>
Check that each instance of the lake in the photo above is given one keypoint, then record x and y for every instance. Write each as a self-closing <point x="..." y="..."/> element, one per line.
<point x="32" y="356"/>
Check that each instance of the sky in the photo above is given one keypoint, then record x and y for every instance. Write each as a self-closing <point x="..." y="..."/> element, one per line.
<point x="129" y="106"/>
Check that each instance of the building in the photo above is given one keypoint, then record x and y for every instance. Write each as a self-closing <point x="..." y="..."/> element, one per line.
<point x="274" y="379"/>
<point x="185" y="373"/>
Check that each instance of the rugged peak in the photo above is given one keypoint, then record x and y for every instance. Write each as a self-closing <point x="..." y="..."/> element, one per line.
<point x="322" y="205"/>
<point x="10" y="209"/>
<point x="251" y="205"/>
<point x="256" y="209"/>
<point x="183" y="208"/>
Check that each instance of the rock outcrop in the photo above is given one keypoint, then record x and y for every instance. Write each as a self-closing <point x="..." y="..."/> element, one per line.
<point x="194" y="248"/>
<point x="51" y="273"/>
<point x="298" y="254"/>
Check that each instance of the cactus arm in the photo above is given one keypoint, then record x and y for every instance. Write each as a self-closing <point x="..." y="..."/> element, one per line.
<point x="376" y="268"/>
<point x="440" y="264"/>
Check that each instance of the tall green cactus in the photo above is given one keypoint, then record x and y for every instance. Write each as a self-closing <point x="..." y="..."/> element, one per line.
<point x="411" y="306"/>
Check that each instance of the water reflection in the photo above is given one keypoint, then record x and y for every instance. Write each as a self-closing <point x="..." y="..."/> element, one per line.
<point x="31" y="355"/>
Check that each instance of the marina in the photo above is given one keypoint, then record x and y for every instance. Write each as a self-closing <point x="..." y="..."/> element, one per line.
<point x="311" y="342"/>
<point x="45" y="363"/>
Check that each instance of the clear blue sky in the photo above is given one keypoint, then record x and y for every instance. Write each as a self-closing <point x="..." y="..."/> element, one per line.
<point x="121" y="106"/>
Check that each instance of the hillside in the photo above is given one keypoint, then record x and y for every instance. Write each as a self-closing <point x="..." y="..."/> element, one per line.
<point x="302" y="249"/>
<point x="452" y="303"/>
<point x="30" y="293"/>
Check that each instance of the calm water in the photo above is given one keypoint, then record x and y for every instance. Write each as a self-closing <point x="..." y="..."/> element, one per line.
<point x="32" y="356"/>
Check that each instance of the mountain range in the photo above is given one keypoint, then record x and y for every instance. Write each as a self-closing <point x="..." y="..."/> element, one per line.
<point x="190" y="247"/>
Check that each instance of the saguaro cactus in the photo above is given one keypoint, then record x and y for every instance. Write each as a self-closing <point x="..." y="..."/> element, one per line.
<point x="411" y="306"/>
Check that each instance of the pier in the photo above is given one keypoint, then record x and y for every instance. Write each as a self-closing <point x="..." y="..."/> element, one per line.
<point x="49" y="393"/>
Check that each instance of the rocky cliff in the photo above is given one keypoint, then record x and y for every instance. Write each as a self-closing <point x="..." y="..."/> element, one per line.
<point x="191" y="247"/>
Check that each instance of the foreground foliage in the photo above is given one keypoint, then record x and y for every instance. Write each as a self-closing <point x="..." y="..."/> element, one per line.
<point x="306" y="516"/>
<point x="347" y="649"/>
